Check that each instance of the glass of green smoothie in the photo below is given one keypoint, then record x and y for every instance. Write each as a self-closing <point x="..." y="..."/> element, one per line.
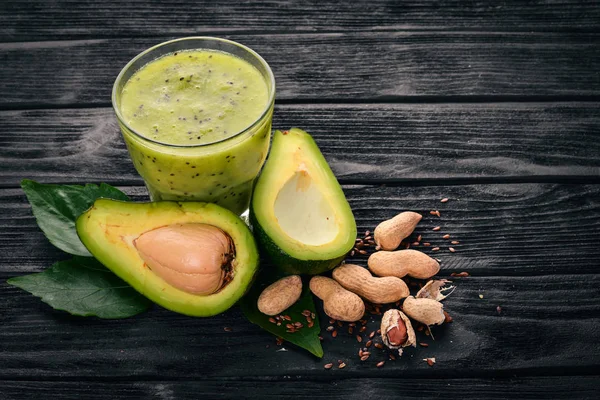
<point x="195" y="114"/>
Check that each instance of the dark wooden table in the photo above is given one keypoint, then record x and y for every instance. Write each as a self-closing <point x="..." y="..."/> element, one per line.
<point x="494" y="105"/>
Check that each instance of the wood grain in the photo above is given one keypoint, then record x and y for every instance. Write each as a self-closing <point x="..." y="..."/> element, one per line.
<point x="333" y="67"/>
<point x="555" y="387"/>
<point x="543" y="329"/>
<point x="515" y="229"/>
<point x="35" y="20"/>
<point x="408" y="143"/>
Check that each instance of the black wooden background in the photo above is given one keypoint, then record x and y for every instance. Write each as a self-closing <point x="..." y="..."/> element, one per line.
<point x="495" y="105"/>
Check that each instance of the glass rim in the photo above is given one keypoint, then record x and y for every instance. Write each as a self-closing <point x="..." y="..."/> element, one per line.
<point x="255" y="123"/>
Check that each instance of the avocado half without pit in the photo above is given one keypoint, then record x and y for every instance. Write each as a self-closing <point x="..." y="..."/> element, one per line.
<point x="299" y="213"/>
<point x="193" y="258"/>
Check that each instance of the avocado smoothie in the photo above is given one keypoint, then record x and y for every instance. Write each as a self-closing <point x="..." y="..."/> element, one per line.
<point x="197" y="124"/>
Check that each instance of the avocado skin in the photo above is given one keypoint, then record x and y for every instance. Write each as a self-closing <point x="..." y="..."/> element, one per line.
<point x="283" y="260"/>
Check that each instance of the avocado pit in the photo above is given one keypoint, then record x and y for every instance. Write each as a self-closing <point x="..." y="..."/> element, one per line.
<point x="194" y="257"/>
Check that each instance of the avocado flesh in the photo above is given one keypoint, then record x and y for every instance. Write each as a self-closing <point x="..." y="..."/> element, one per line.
<point x="109" y="228"/>
<point x="299" y="213"/>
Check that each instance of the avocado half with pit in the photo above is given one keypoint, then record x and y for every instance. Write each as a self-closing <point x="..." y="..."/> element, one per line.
<point x="299" y="213"/>
<point x="193" y="258"/>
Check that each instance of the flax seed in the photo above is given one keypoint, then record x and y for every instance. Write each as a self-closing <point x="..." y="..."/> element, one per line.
<point x="367" y="233"/>
<point x="289" y="326"/>
<point x="455" y="242"/>
<point x="415" y="243"/>
<point x="363" y="252"/>
<point x="342" y="366"/>
<point x="350" y="330"/>
<point x="451" y="249"/>
<point x="334" y="334"/>
<point x="444" y="200"/>
<point x="287" y="317"/>
<point x="364" y="358"/>
<point x="290" y="330"/>
<point x="272" y="320"/>
<point x="311" y="324"/>
<point x="368" y="344"/>
<point x="279" y="341"/>
<point x="423" y="344"/>
<point x="361" y="330"/>
<point x="446" y="236"/>
<point x="371" y="335"/>
<point x="328" y="366"/>
<point x="330" y="328"/>
<point x="435" y="249"/>
<point x="352" y="253"/>
<point x="392" y="357"/>
<point x="227" y="329"/>
<point x="360" y="352"/>
<point x="430" y="361"/>
<point x="306" y="313"/>
<point x="298" y="324"/>
<point x="378" y="345"/>
<point x="331" y="321"/>
<point x="426" y="244"/>
<point x="358" y="338"/>
<point x="437" y="228"/>
<point x="380" y="364"/>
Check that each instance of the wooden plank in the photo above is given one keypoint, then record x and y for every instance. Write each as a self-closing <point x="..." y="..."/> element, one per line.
<point x="515" y="229"/>
<point x="547" y="325"/>
<point x="407" y="143"/>
<point x="555" y="387"/>
<point x="374" y="66"/>
<point x="34" y="20"/>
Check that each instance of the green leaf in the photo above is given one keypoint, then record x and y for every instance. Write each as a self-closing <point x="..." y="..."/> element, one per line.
<point x="56" y="207"/>
<point x="82" y="286"/>
<point x="306" y="338"/>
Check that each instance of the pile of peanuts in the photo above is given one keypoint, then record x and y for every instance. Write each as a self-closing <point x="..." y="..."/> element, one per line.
<point x="343" y="294"/>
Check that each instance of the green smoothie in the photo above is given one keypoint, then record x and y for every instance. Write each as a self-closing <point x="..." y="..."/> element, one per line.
<point x="201" y="132"/>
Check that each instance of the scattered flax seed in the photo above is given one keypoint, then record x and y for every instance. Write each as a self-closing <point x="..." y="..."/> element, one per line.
<point x="289" y="326"/>
<point x="426" y="244"/>
<point x="364" y="358"/>
<point x="423" y="344"/>
<point x="378" y="345"/>
<point x="306" y="313"/>
<point x="367" y="233"/>
<point x="368" y="344"/>
<point x="334" y="334"/>
<point x="371" y="335"/>
<point x="446" y="236"/>
<point x="298" y="324"/>
<point x="415" y="243"/>
<point x="342" y="365"/>
<point x="380" y="364"/>
<point x="455" y="242"/>
<point x="350" y="330"/>
<point x="366" y="353"/>
<point x="227" y="329"/>
<point x="352" y="253"/>
<point x="419" y="238"/>
<point x="361" y="330"/>
<point x="360" y="352"/>
<point x="287" y="317"/>
<point x="463" y="274"/>
<point x="328" y="366"/>
<point x="435" y="212"/>
<point x="437" y="228"/>
<point x="330" y="328"/>
<point x="311" y="324"/>
<point x="358" y="338"/>
<point x="444" y="200"/>
<point x="392" y="357"/>
<point x="368" y="238"/>
<point x="331" y="321"/>
<point x="272" y="320"/>
<point x="499" y="309"/>
<point x="363" y="252"/>
<point x="279" y="341"/>
<point x="429" y="361"/>
<point x="451" y="249"/>
<point x="435" y="249"/>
